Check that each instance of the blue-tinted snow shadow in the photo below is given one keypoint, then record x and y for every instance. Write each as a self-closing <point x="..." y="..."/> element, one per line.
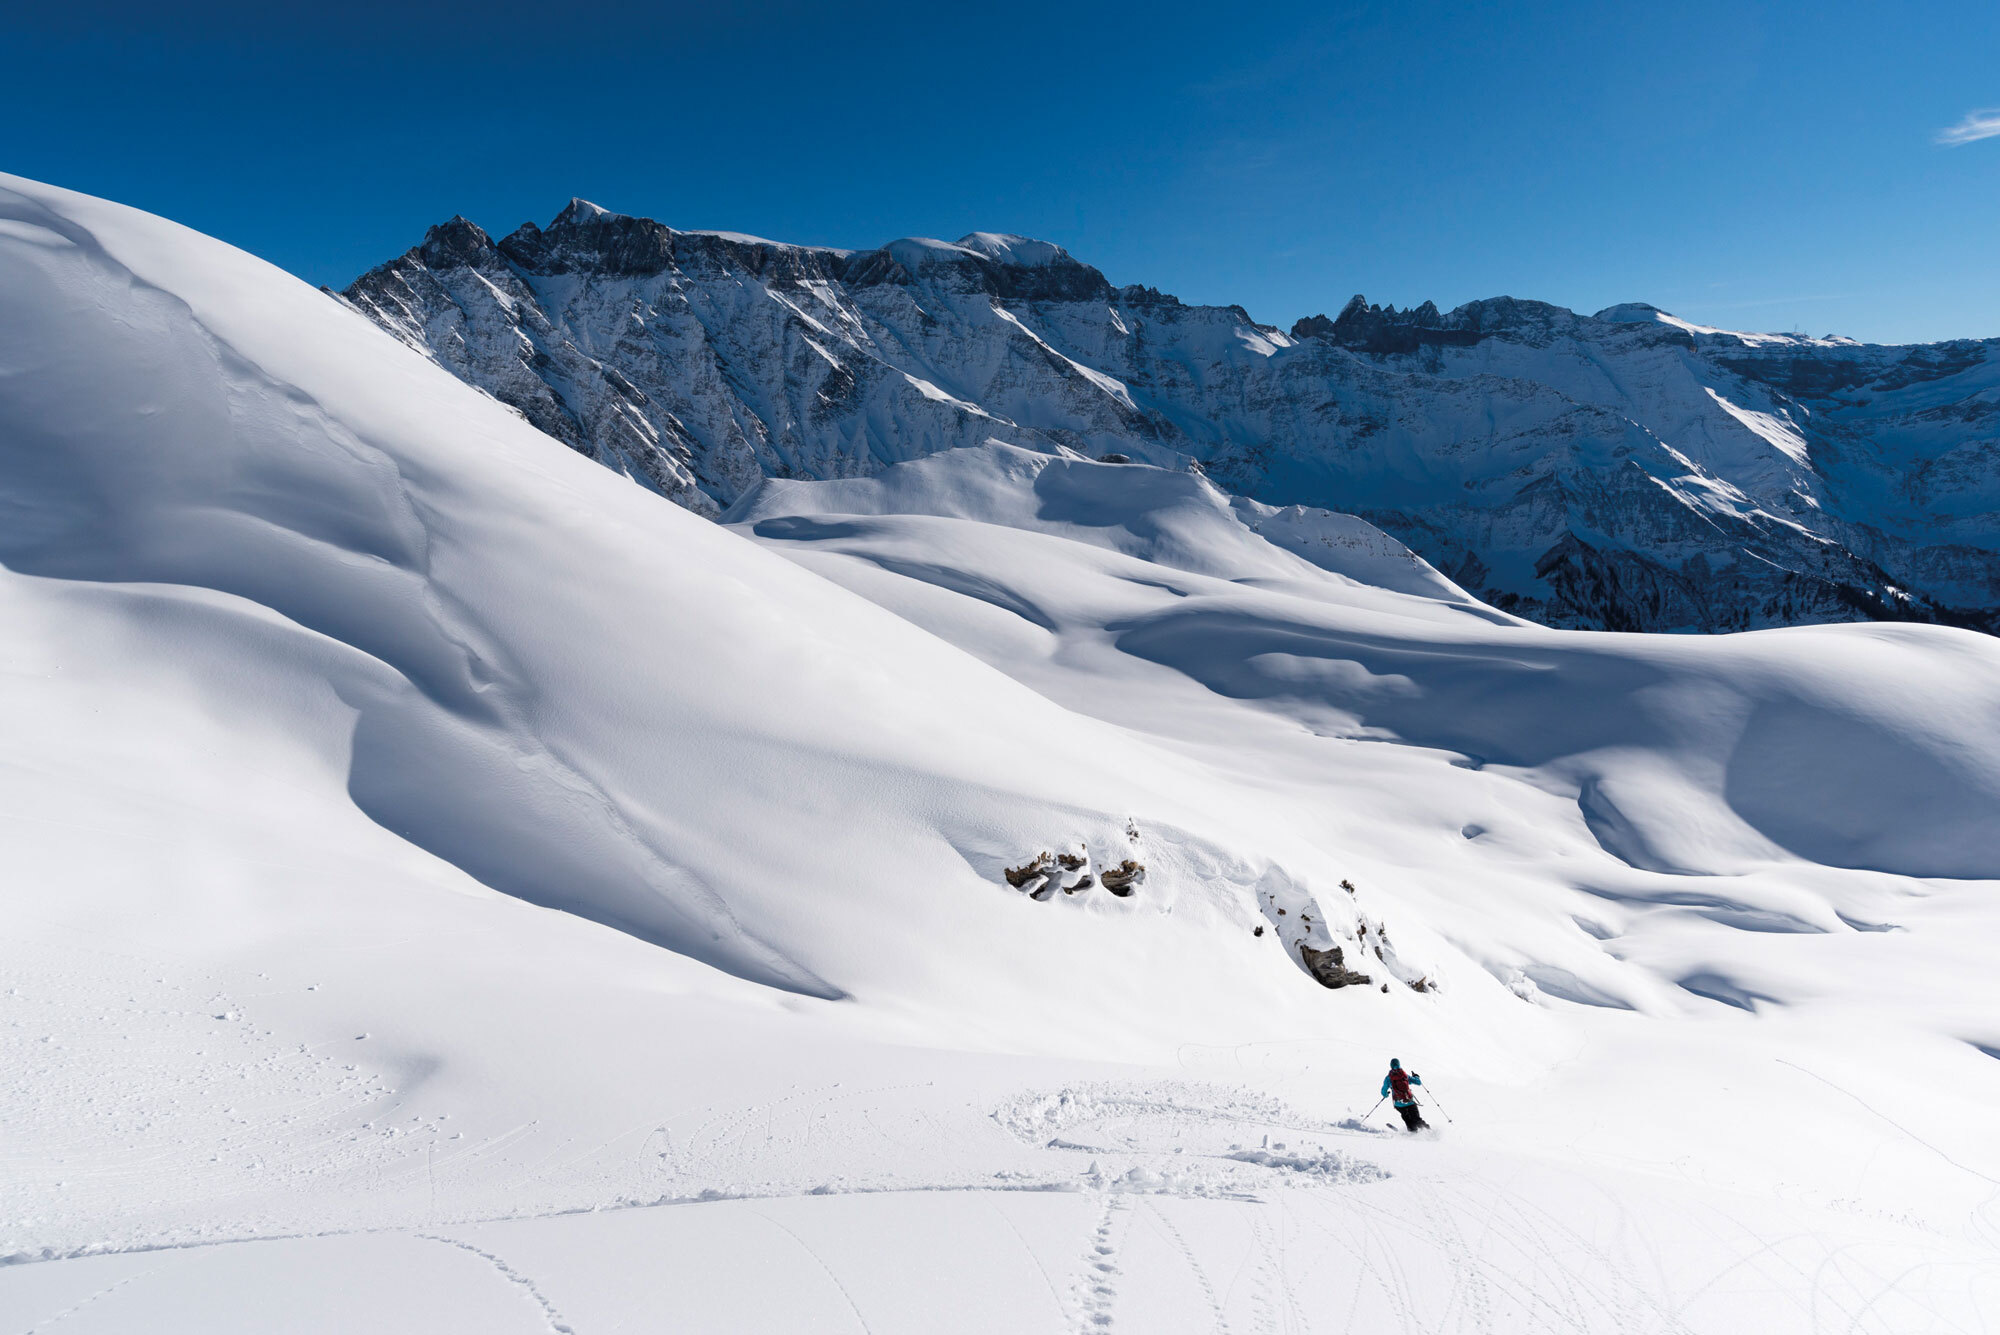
<point x="1720" y="987"/>
<point x="1847" y="792"/>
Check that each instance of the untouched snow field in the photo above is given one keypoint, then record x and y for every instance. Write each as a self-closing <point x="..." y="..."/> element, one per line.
<point x="451" y="889"/>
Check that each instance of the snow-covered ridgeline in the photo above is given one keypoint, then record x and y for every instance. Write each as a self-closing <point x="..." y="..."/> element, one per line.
<point x="1627" y="470"/>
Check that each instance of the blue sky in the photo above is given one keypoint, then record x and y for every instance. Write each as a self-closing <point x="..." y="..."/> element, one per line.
<point x="1748" y="165"/>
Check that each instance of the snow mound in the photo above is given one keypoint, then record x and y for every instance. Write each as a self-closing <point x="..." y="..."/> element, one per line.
<point x="1632" y="312"/>
<point x="1175" y="519"/>
<point x="916" y="253"/>
<point x="1023" y="251"/>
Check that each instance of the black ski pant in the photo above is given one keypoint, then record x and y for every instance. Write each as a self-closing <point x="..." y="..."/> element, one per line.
<point x="1412" y="1119"/>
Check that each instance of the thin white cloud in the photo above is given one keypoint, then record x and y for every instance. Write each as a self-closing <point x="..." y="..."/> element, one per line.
<point x="1977" y="125"/>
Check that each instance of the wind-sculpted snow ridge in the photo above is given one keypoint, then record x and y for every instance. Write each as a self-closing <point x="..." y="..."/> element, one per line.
<point x="450" y="889"/>
<point x="1627" y="470"/>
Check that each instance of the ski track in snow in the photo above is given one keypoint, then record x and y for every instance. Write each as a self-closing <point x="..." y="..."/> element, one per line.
<point x="1194" y="1265"/>
<point x="1542" y="1285"/>
<point x="818" y="1261"/>
<point x="521" y="1282"/>
<point x="76" y="1307"/>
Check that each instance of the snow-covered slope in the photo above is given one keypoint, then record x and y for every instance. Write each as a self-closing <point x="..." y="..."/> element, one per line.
<point x="450" y="889"/>
<point x="542" y="676"/>
<point x="1626" y="470"/>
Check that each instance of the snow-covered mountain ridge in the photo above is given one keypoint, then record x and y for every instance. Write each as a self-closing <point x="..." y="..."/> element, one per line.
<point x="1625" y="470"/>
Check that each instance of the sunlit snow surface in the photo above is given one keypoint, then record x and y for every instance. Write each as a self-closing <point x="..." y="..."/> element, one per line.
<point x="448" y="888"/>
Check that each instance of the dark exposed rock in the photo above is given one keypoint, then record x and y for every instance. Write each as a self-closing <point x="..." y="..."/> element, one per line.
<point x="1124" y="878"/>
<point x="1385" y="331"/>
<point x="457" y="244"/>
<point x="1035" y="867"/>
<point x="963" y="270"/>
<point x="1329" y="967"/>
<point x="1820" y="376"/>
<point x="1042" y="875"/>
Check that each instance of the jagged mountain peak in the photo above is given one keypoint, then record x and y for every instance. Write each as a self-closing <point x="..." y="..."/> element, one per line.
<point x="1626" y="470"/>
<point x="587" y="238"/>
<point x="458" y="241"/>
<point x="581" y="210"/>
<point x="1385" y="330"/>
<point x="584" y="236"/>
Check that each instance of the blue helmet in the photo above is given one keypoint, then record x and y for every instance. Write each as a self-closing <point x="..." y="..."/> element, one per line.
<point x="1395" y="1064"/>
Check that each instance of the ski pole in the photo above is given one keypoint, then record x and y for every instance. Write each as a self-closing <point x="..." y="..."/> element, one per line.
<point x="1371" y="1112"/>
<point x="1439" y="1106"/>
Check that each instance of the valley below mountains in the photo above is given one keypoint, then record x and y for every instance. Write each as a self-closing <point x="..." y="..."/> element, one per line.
<point x="1626" y="470"/>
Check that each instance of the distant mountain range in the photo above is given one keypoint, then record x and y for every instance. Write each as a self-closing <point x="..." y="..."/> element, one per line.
<point x="1626" y="470"/>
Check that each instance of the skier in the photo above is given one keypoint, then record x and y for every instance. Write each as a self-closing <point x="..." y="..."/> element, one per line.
<point x="1398" y="1083"/>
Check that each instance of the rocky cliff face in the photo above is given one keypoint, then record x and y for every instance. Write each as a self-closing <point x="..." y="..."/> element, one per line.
<point x="1624" y="471"/>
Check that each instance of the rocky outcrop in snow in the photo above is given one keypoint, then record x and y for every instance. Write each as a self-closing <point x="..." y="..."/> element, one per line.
<point x="1329" y="967"/>
<point x="1626" y="470"/>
